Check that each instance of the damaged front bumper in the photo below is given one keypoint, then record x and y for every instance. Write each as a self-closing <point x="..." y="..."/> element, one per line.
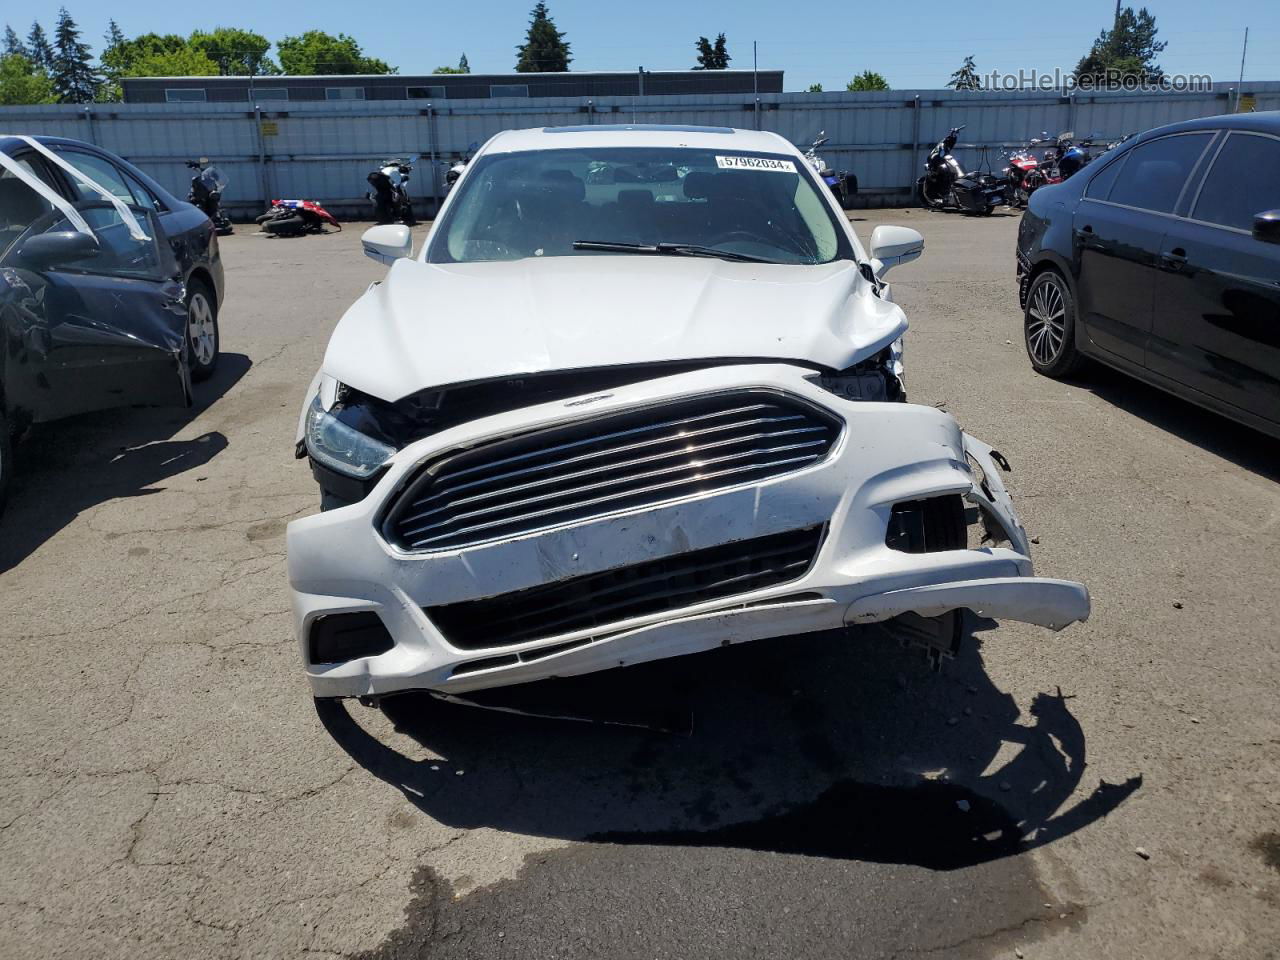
<point x="794" y="553"/>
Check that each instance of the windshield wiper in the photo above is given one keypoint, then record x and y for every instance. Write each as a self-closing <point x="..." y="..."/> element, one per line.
<point x="669" y="249"/>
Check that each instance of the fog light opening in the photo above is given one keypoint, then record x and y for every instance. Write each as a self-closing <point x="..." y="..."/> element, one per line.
<point x="340" y="637"/>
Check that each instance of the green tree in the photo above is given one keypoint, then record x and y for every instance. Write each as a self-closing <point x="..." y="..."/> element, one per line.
<point x="867" y="80"/>
<point x="12" y="43"/>
<point x="462" y="67"/>
<point x="38" y="50"/>
<point x="317" y="52"/>
<point x="113" y="36"/>
<point x="712" y="56"/>
<point x="236" y="52"/>
<point x="1125" y="54"/>
<point x="74" y="79"/>
<point x="815" y="88"/>
<point x="966" y="78"/>
<point x="22" y="83"/>
<point x="545" y="49"/>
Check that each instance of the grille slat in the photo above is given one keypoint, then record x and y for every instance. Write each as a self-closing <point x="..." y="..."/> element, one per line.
<point x="593" y="467"/>
<point x="599" y="600"/>
<point x="688" y="450"/>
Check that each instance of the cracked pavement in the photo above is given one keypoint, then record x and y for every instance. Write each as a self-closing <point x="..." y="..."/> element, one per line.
<point x="167" y="787"/>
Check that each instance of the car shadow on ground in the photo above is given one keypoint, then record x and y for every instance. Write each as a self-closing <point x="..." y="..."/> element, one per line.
<point x="70" y="465"/>
<point x="1219" y="435"/>
<point x="837" y="745"/>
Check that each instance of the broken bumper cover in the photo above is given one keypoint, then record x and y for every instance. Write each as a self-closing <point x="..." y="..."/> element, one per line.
<point x="886" y="454"/>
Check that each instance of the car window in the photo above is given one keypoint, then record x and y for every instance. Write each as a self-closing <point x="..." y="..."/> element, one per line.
<point x="104" y="173"/>
<point x="1101" y="183"/>
<point x="20" y="205"/>
<point x="1155" y="172"/>
<point x="1242" y="183"/>
<point x="119" y="254"/>
<point x="144" y="197"/>
<point x="540" y="202"/>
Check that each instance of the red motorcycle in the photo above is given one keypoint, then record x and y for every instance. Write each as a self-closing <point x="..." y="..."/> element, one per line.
<point x="293" y="218"/>
<point x="1027" y="173"/>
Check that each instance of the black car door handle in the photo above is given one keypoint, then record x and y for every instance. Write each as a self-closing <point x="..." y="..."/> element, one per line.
<point x="1174" y="259"/>
<point x="1086" y="229"/>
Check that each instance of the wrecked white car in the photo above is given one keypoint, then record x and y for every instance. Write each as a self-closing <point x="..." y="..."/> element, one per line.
<point x="640" y="395"/>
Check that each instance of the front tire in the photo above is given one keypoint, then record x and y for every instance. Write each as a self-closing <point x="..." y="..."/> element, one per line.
<point x="1049" y="326"/>
<point x="202" y="331"/>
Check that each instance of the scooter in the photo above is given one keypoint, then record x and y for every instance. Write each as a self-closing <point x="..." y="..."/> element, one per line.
<point x="293" y="218"/>
<point x="843" y="185"/>
<point x="207" y="187"/>
<point x="946" y="186"/>
<point x="390" y="193"/>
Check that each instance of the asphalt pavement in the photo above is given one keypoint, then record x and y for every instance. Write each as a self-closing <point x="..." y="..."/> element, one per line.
<point x="168" y="788"/>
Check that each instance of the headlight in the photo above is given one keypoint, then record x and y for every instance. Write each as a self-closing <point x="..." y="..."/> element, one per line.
<point x="879" y="378"/>
<point x="340" y="447"/>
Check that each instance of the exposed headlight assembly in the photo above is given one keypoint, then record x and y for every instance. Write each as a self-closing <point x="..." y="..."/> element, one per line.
<point x="879" y="378"/>
<point x="340" y="447"/>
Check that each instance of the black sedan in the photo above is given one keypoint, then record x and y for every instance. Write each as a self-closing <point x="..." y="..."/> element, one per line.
<point x="1162" y="259"/>
<point x="108" y="297"/>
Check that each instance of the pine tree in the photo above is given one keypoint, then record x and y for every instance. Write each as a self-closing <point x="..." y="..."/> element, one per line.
<point x="463" y="66"/>
<point x="966" y="78"/>
<point x="74" y="80"/>
<point x="712" y="56"/>
<point x="545" y="49"/>
<point x="1123" y="55"/>
<point x="13" y="43"/>
<point x="114" y="35"/>
<point x="38" y="50"/>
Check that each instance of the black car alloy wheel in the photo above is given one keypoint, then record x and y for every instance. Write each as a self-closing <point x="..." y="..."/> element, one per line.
<point x="1049" y="325"/>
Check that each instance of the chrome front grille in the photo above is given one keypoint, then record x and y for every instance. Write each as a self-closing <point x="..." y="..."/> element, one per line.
<point x="599" y="600"/>
<point x="593" y="467"/>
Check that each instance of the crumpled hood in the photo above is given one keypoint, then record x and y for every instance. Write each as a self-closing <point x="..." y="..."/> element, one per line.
<point x="430" y="325"/>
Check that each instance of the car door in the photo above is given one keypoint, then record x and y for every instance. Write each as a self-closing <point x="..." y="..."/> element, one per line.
<point x="1217" y="308"/>
<point x="1116" y="232"/>
<point x="105" y="331"/>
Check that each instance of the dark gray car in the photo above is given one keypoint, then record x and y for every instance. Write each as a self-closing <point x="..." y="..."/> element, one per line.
<point x="108" y="320"/>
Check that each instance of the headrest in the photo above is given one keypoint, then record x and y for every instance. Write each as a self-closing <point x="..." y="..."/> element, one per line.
<point x="565" y="184"/>
<point x="19" y="204"/>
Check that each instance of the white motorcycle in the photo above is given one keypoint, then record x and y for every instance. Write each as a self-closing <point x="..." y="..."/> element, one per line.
<point x="390" y="193"/>
<point x="842" y="184"/>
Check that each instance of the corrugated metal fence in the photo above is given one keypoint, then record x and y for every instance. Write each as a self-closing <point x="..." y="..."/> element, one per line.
<point x="324" y="150"/>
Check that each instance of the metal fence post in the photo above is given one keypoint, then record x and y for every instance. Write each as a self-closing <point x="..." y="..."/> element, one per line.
<point x="262" y="156"/>
<point x="915" y="141"/>
<point x="88" y="119"/>
<point x="435" y="164"/>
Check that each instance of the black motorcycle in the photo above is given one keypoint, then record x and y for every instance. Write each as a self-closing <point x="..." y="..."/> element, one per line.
<point x="207" y="187"/>
<point x="946" y="186"/>
<point x="390" y="193"/>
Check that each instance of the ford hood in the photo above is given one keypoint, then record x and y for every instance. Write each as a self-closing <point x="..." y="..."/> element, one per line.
<point x="431" y="325"/>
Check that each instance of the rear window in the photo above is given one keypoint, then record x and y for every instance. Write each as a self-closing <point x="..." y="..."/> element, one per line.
<point x="1155" y="173"/>
<point x="1243" y="182"/>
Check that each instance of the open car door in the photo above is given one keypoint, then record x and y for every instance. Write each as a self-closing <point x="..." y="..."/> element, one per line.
<point x="100" y="326"/>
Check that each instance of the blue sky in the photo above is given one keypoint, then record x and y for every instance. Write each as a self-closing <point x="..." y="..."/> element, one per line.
<point x="915" y="44"/>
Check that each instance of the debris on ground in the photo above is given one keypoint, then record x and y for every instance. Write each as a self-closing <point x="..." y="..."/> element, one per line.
<point x="1142" y="852"/>
<point x="1177" y="604"/>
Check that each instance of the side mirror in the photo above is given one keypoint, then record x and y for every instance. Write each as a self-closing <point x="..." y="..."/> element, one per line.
<point x="892" y="245"/>
<point x="388" y="243"/>
<point x="56" y="249"/>
<point x="1266" y="226"/>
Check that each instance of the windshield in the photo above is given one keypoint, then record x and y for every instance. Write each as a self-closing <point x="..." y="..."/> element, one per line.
<point x="540" y="203"/>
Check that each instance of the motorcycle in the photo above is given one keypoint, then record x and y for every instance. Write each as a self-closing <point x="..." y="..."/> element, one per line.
<point x="293" y="218"/>
<point x="455" y="169"/>
<point x="390" y="193"/>
<point x="1027" y="173"/>
<point x="946" y="186"/>
<point x="843" y="185"/>
<point x="207" y="187"/>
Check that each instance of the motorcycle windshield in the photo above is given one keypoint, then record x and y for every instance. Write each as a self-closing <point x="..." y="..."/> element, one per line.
<point x="213" y="179"/>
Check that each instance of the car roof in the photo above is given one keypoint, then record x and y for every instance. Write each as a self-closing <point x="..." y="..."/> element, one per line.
<point x="639" y="135"/>
<point x="1268" y="121"/>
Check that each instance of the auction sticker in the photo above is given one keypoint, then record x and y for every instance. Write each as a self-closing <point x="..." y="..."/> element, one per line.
<point x="755" y="163"/>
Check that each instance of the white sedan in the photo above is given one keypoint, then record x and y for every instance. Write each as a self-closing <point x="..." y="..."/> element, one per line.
<point x="640" y="395"/>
